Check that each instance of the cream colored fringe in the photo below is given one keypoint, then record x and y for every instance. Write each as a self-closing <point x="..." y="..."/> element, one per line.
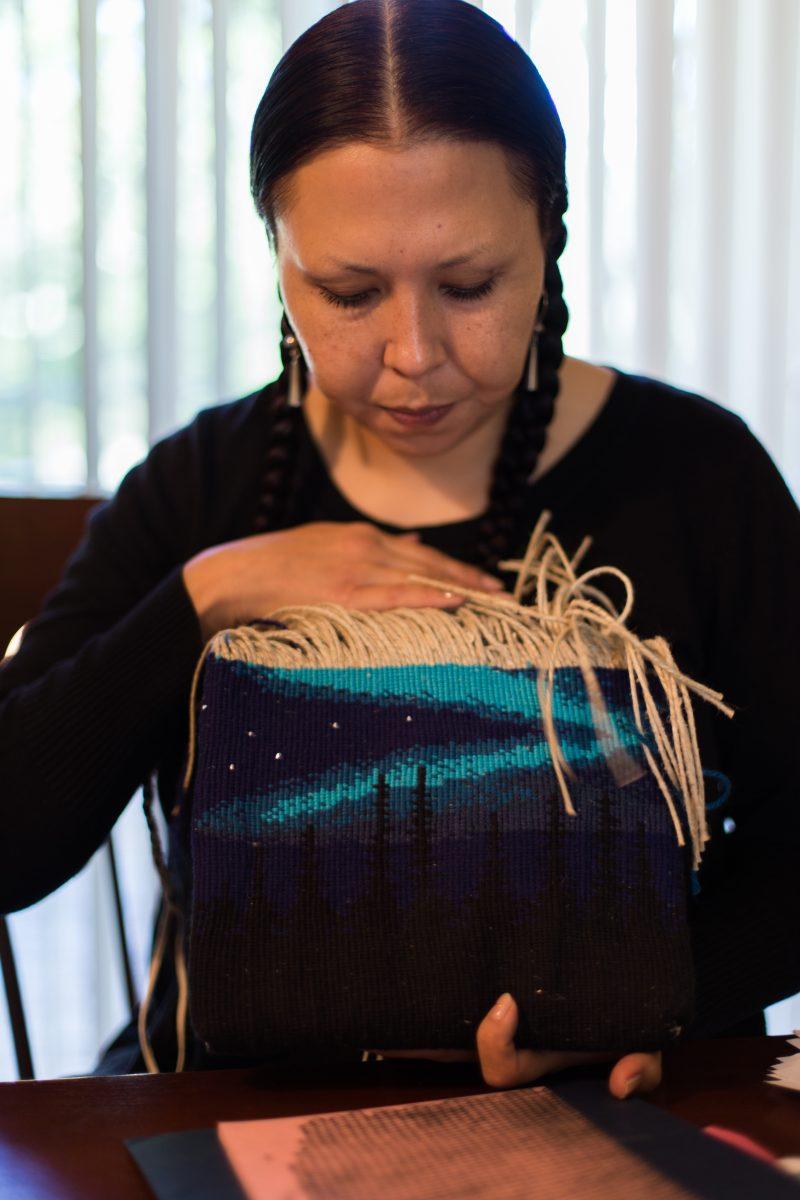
<point x="170" y="911"/>
<point x="555" y="618"/>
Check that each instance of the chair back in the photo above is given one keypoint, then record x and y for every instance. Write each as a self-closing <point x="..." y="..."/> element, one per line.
<point x="37" y="537"/>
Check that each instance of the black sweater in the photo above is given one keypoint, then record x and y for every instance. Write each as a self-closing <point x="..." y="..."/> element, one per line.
<point x="674" y="490"/>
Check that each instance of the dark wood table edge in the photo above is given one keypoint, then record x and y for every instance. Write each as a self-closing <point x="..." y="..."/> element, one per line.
<point x="64" y="1138"/>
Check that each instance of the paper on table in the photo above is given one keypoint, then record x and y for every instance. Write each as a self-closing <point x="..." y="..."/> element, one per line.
<point x="785" y="1072"/>
<point x="495" y="1145"/>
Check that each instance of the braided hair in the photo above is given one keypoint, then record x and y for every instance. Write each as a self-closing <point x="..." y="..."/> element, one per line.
<point x="280" y="482"/>
<point x="397" y="72"/>
<point x="526" y="430"/>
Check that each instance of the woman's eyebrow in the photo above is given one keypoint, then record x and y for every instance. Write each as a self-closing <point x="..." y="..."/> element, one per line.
<point x="450" y="262"/>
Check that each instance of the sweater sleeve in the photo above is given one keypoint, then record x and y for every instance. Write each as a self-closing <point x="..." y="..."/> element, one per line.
<point x="746" y="923"/>
<point x="86" y="703"/>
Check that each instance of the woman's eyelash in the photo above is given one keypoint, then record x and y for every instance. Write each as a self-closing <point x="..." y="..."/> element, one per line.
<point x="360" y="298"/>
<point x="473" y="293"/>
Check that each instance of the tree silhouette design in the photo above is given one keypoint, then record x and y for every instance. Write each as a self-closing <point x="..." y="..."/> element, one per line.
<point x="423" y="969"/>
<point x="488" y="911"/>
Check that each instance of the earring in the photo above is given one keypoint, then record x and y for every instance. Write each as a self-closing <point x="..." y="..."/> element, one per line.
<point x="290" y="356"/>
<point x="532" y="381"/>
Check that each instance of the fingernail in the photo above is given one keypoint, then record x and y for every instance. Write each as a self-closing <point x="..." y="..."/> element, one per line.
<point x="492" y="582"/>
<point x="631" y="1085"/>
<point x="501" y="1007"/>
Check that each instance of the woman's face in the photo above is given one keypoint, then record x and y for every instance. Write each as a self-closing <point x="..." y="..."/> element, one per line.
<point x="412" y="279"/>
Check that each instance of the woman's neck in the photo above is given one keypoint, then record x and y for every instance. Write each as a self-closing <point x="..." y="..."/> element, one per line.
<point x="399" y="488"/>
<point x="409" y="491"/>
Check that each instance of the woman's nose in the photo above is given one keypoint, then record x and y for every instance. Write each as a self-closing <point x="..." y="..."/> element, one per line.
<point x="413" y="340"/>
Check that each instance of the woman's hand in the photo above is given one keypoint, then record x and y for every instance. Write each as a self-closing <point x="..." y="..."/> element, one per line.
<point x="504" y="1066"/>
<point x="350" y="563"/>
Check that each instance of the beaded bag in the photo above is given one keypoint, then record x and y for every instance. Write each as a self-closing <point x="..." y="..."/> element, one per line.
<point x="392" y="817"/>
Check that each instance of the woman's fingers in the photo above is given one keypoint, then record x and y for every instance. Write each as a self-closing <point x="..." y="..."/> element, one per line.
<point x="501" y="1062"/>
<point x="503" y="1065"/>
<point x="396" y="592"/>
<point x="639" y="1072"/>
<point x="426" y="560"/>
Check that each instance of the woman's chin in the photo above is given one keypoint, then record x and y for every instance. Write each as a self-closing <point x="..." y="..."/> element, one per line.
<point x="444" y="429"/>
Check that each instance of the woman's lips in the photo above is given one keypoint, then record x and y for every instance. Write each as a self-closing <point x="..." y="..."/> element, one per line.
<point x="422" y="416"/>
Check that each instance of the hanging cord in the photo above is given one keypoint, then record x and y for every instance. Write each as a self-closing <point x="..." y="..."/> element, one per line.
<point x="190" y="757"/>
<point x="170" y="911"/>
<point x="585" y="608"/>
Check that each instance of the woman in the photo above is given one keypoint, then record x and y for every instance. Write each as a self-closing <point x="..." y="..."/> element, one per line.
<point x="408" y="163"/>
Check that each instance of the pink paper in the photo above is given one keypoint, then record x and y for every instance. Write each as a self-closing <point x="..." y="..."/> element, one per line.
<point x="504" y="1145"/>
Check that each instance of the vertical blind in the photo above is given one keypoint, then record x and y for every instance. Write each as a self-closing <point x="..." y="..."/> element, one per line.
<point x="137" y="287"/>
<point x="137" y="283"/>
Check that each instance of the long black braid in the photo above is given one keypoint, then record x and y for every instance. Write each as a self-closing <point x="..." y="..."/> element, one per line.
<point x="526" y="430"/>
<point x="280" y="477"/>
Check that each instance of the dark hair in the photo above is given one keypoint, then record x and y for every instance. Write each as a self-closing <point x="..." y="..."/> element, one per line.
<point x="398" y="71"/>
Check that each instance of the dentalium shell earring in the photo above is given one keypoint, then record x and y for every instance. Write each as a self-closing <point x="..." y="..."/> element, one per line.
<point x="290" y="356"/>
<point x="532" y="382"/>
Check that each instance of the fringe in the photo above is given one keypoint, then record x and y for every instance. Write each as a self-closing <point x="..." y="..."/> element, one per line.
<point x="170" y="911"/>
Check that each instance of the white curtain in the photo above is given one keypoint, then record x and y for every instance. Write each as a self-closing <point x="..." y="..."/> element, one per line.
<point x="145" y="290"/>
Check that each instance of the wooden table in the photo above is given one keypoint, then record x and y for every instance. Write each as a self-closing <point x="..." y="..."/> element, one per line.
<point x="63" y="1138"/>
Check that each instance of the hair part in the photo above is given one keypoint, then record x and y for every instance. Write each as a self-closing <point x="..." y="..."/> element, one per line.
<point x="397" y="72"/>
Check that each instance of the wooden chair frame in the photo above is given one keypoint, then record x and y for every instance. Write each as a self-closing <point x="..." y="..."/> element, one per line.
<point x="37" y="536"/>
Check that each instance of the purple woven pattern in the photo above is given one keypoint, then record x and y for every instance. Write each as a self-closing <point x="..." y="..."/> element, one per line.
<point x="378" y="853"/>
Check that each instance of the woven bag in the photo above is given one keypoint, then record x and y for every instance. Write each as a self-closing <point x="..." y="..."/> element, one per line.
<point x="392" y="817"/>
